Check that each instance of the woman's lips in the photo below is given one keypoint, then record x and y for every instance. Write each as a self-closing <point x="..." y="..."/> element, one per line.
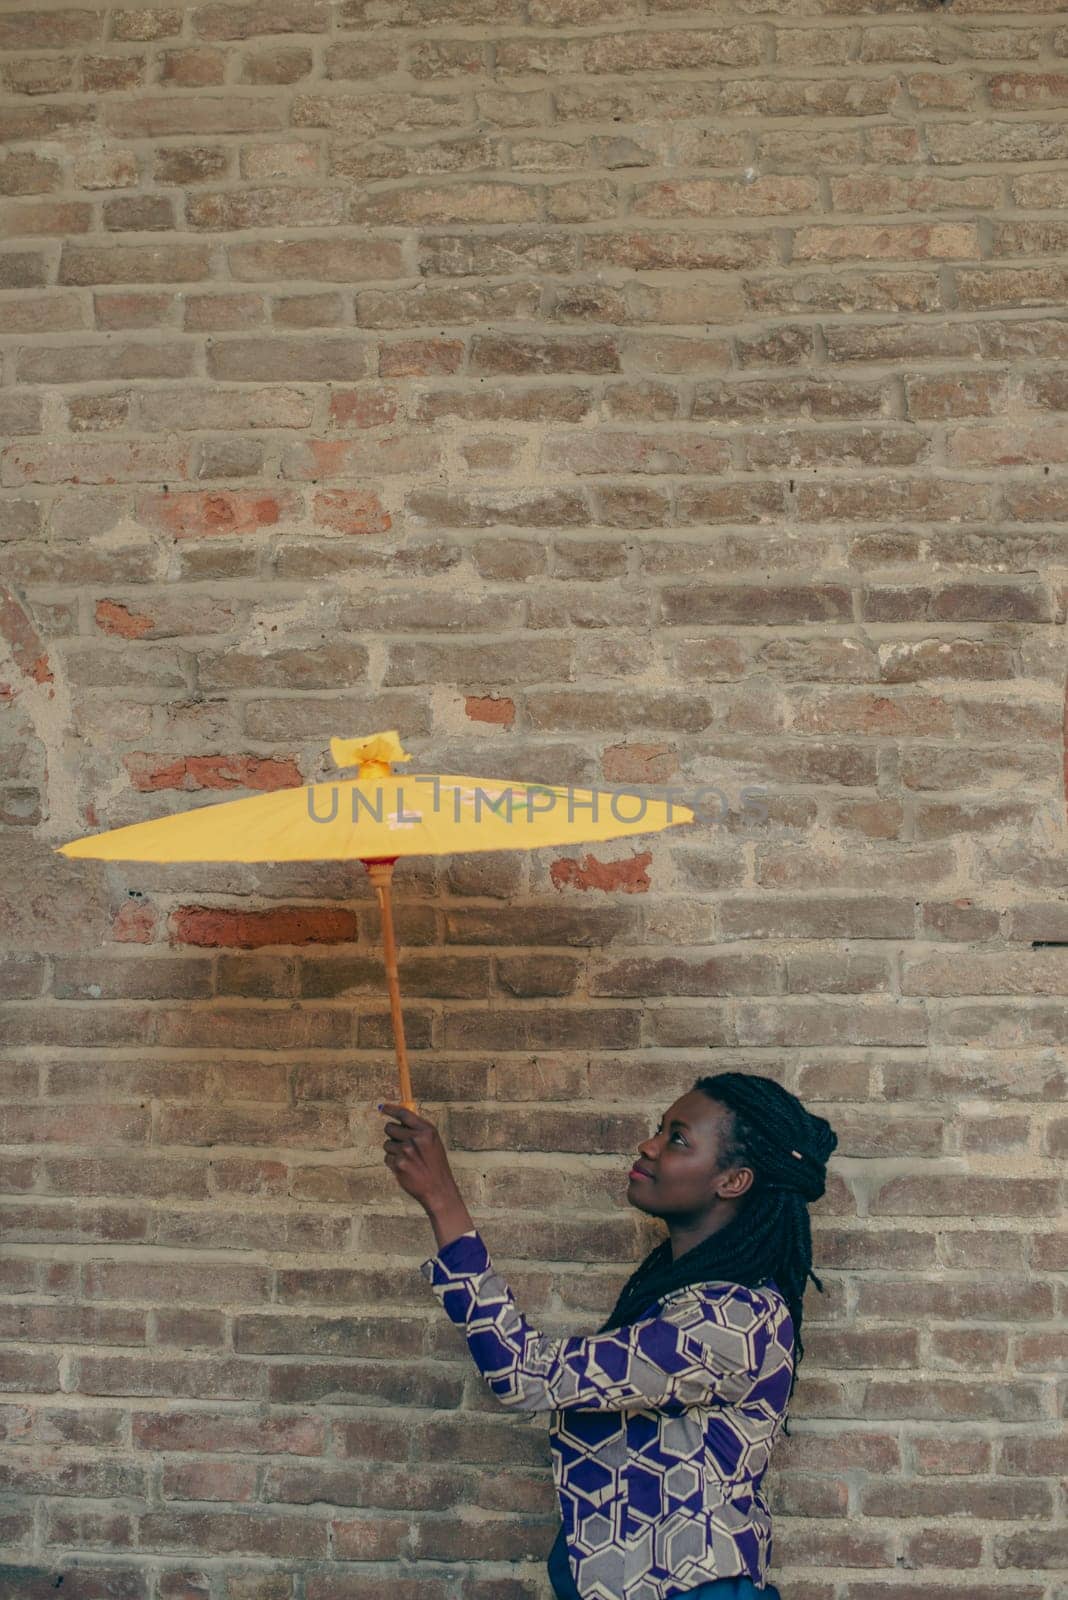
<point x="636" y="1172"/>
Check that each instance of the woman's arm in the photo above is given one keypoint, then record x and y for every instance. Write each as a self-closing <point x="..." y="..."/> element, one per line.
<point x="450" y="1219"/>
<point x="698" y="1349"/>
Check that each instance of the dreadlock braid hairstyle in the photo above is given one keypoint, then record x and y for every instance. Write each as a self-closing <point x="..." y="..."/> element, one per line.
<point x="769" y="1237"/>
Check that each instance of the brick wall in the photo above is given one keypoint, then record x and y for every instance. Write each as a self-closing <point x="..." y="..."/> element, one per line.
<point x="595" y="391"/>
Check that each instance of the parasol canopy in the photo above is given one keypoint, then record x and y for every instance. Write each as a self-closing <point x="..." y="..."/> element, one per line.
<point x="381" y="814"/>
<point x="378" y="816"/>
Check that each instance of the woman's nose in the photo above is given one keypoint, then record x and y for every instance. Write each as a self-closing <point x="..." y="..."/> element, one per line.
<point x="647" y="1146"/>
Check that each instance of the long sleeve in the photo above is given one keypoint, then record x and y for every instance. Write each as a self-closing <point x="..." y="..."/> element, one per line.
<point x="698" y="1349"/>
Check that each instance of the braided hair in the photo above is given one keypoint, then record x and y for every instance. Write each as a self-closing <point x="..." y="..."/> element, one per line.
<point x="769" y="1237"/>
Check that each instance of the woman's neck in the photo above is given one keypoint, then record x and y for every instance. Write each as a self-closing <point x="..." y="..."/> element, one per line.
<point x="686" y="1233"/>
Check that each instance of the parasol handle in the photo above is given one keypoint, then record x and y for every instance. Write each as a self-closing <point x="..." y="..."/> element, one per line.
<point x="381" y="876"/>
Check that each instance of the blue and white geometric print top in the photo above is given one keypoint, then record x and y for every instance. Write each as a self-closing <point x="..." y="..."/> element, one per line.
<point x="661" y="1431"/>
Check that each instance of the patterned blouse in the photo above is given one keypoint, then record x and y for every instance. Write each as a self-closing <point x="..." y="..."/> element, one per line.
<point x="660" y="1432"/>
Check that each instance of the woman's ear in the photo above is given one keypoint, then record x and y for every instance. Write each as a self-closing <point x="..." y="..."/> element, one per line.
<point x="734" y="1182"/>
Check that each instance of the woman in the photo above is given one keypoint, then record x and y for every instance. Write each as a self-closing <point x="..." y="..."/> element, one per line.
<point x="663" y="1422"/>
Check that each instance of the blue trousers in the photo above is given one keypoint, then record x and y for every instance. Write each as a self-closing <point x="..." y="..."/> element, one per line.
<point x="564" y="1588"/>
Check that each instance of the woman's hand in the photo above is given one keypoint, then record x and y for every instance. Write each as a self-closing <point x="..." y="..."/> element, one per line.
<point x="417" y="1158"/>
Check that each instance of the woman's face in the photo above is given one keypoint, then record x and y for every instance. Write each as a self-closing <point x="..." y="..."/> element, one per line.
<point x="677" y="1173"/>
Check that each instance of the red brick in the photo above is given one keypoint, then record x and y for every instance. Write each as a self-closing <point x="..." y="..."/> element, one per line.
<point x="133" y="264"/>
<point x="287" y="1537"/>
<point x="702" y="197"/>
<point x="330" y="261"/>
<point x="1018" y="91"/>
<point x="249" y="930"/>
<point x="1033" y="1549"/>
<point x="747" y="603"/>
<point x="1036" y="1456"/>
<point x="420" y="358"/>
<point x="196" y="514"/>
<point x="350" y="511"/>
<point x="236" y="21"/>
<point x="231" y="1481"/>
<point x="138" y="461"/>
<point x="39" y="75"/>
<point x="309" y="359"/>
<point x="818" y="97"/>
<point x="278" y="66"/>
<point x="48" y="30"/>
<point x="23" y="172"/>
<point x="108" y="74"/>
<point x="149" y="773"/>
<point x="22" y="640"/>
<point x="436" y="205"/>
<point x="190" y="164"/>
<point x="265" y="206"/>
<point x="856" y="290"/>
<point x="959" y="1195"/>
<point x="881" y="500"/>
<point x="363" y="408"/>
<point x="115" y="618"/>
<point x="520" y="354"/>
<point x="298" y="311"/>
<point x="982" y="288"/>
<point x="490" y="708"/>
<point x="146" y="24"/>
<point x="1008" y="445"/>
<point x="134" y="923"/>
<point x="315" y="459"/>
<point x="162" y="116"/>
<point x="518" y="508"/>
<point x="957" y="394"/>
<point x="617" y="452"/>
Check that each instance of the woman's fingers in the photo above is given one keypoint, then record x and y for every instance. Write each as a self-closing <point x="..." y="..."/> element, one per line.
<point x="414" y="1152"/>
<point x="411" y="1119"/>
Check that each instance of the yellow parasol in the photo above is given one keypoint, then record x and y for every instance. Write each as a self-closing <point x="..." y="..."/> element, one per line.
<point x="377" y="817"/>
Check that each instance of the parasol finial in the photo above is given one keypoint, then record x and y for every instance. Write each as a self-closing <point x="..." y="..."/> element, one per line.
<point x="372" y="755"/>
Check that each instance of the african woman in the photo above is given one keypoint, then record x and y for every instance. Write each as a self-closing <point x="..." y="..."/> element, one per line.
<point x="662" y="1424"/>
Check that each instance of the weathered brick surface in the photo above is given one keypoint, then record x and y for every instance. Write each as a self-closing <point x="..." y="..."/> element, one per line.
<point x="605" y="391"/>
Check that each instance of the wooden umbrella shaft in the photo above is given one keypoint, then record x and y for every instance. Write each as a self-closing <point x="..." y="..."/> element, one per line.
<point x="381" y="875"/>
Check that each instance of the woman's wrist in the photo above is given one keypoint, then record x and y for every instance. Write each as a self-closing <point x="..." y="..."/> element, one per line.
<point x="449" y="1218"/>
